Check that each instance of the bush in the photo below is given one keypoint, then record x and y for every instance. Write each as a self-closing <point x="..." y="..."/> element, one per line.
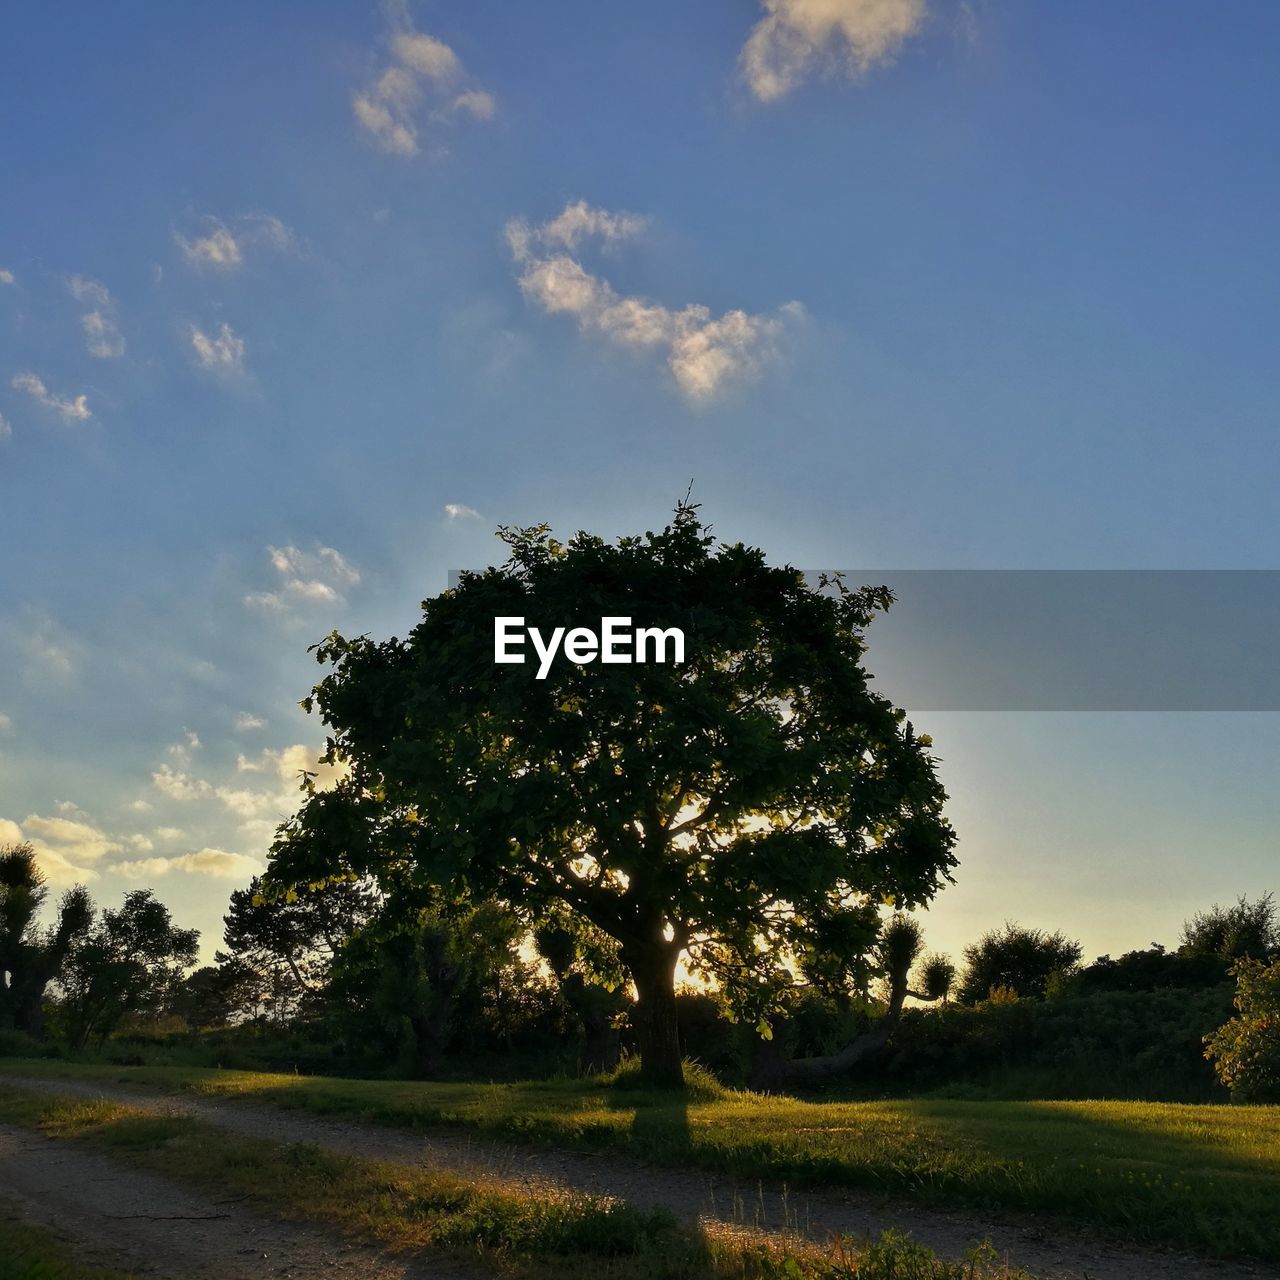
<point x="17" y="1044"/>
<point x="1246" y="1050"/>
<point x="1147" y="1045"/>
<point x="1154" y="969"/>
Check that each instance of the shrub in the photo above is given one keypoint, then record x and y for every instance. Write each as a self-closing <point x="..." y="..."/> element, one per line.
<point x="1246" y="1050"/>
<point x="1114" y="1045"/>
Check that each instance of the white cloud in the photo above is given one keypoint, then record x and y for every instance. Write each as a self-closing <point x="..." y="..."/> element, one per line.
<point x="292" y="761"/>
<point x="247" y="721"/>
<point x="101" y="320"/>
<point x="704" y="353"/>
<point x="66" y="849"/>
<point x="796" y="37"/>
<point x="222" y="353"/>
<point x="140" y="806"/>
<point x="5" y="429"/>
<point x="6" y="276"/>
<point x="460" y="511"/>
<point x="317" y="577"/>
<point x="204" y="862"/>
<point x="79" y="840"/>
<point x="186" y="788"/>
<point x="181" y="751"/>
<point x="224" y="246"/>
<point x="168" y="834"/>
<point x="70" y="409"/>
<point x="425" y="80"/>
<point x="180" y="786"/>
<point x="6" y="723"/>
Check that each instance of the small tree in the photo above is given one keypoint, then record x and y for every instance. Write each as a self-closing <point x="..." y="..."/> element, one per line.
<point x="30" y="957"/>
<point x="290" y="939"/>
<point x="1246" y="1051"/>
<point x="411" y="977"/>
<point x="1015" y="959"/>
<point x="738" y="809"/>
<point x="937" y="977"/>
<point x="130" y="960"/>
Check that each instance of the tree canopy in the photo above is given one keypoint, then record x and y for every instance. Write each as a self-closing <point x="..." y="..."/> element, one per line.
<point x="749" y="809"/>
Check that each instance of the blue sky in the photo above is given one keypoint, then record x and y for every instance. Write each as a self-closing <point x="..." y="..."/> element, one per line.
<point x="298" y="302"/>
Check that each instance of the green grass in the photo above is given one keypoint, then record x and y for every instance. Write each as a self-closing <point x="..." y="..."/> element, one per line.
<point x="1198" y="1177"/>
<point x="508" y="1229"/>
<point x="28" y="1252"/>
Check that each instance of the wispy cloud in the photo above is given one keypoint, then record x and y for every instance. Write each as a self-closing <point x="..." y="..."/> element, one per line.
<point x="69" y="408"/>
<point x="305" y="578"/>
<point x="6" y="723"/>
<point x="5" y="429"/>
<point x="223" y="246"/>
<point x="246" y="721"/>
<point x="221" y="352"/>
<point x="424" y="83"/>
<point x="6" y="276"/>
<point x="48" y="648"/>
<point x="796" y="38"/>
<point x="460" y="511"/>
<point x="705" y="353"/>
<point x="101" y="322"/>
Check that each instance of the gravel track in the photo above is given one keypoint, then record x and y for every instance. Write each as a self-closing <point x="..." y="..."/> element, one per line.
<point x="120" y="1218"/>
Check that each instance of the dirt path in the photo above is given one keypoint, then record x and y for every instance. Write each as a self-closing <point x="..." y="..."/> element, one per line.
<point x="1048" y="1253"/>
<point x="116" y="1217"/>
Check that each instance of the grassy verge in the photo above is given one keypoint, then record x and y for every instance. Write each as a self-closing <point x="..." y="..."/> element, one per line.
<point x="513" y="1233"/>
<point x="1197" y="1177"/>
<point x="28" y="1252"/>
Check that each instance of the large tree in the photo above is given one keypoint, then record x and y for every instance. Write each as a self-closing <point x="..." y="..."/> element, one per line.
<point x="32" y="956"/>
<point x="751" y="804"/>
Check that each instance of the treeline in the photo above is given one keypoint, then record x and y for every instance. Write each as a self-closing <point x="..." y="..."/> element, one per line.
<point x="346" y="978"/>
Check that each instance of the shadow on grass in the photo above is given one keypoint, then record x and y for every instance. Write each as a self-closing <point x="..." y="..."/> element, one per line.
<point x="1174" y="1175"/>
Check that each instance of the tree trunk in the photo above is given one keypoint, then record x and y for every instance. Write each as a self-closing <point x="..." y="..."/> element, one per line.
<point x="805" y="1071"/>
<point x="657" y="1028"/>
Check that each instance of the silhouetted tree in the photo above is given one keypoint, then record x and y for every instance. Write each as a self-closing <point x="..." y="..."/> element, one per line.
<point x="218" y="995"/>
<point x="31" y="957"/>
<point x="128" y="961"/>
<point x="414" y="974"/>
<point x="1245" y="930"/>
<point x="744" y="806"/>
<point x="937" y="977"/>
<point x="1015" y="959"/>
<point x="291" y="938"/>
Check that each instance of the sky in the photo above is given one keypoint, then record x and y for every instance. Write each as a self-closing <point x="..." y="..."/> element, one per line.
<point x="299" y="302"/>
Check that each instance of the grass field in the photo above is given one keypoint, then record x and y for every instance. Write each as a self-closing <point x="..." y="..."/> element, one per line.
<point x="514" y="1232"/>
<point x="1202" y="1178"/>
